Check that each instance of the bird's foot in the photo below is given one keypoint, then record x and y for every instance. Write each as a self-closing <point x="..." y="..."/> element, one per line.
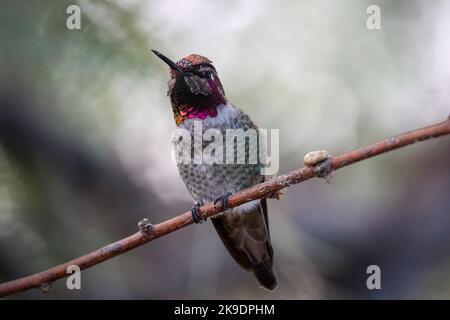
<point x="276" y="195"/>
<point x="321" y="162"/>
<point x="46" y="287"/>
<point x="196" y="215"/>
<point x="223" y="200"/>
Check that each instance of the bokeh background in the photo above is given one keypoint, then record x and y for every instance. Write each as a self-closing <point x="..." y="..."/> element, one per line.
<point x="85" y="129"/>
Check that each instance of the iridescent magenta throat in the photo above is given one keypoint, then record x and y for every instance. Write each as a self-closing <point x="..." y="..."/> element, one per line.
<point x="191" y="113"/>
<point x="203" y="108"/>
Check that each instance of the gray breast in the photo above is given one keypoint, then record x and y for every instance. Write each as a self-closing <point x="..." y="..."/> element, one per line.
<point x="206" y="182"/>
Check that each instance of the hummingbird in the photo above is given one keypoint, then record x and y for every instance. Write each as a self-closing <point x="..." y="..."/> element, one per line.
<point x="196" y="94"/>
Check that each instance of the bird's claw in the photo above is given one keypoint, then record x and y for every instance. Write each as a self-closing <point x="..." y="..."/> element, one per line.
<point x="223" y="200"/>
<point x="196" y="216"/>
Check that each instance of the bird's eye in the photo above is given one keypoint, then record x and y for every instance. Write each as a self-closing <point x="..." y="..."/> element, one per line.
<point x="207" y="75"/>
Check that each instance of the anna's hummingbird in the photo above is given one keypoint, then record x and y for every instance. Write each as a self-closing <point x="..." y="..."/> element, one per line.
<point x="196" y="94"/>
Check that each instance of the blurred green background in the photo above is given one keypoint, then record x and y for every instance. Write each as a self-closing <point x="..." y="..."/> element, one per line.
<point x="85" y="129"/>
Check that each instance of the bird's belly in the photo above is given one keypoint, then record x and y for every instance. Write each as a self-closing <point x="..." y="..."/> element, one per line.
<point x="208" y="182"/>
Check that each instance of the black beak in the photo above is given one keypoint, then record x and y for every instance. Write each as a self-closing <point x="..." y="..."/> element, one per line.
<point x="169" y="62"/>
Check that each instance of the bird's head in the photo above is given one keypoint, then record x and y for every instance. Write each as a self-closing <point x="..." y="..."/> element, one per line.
<point x="194" y="89"/>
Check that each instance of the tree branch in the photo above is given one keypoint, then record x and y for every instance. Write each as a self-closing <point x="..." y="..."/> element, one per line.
<point x="263" y="190"/>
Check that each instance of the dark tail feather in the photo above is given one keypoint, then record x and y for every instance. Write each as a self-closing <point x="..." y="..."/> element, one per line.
<point x="250" y="252"/>
<point x="265" y="276"/>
